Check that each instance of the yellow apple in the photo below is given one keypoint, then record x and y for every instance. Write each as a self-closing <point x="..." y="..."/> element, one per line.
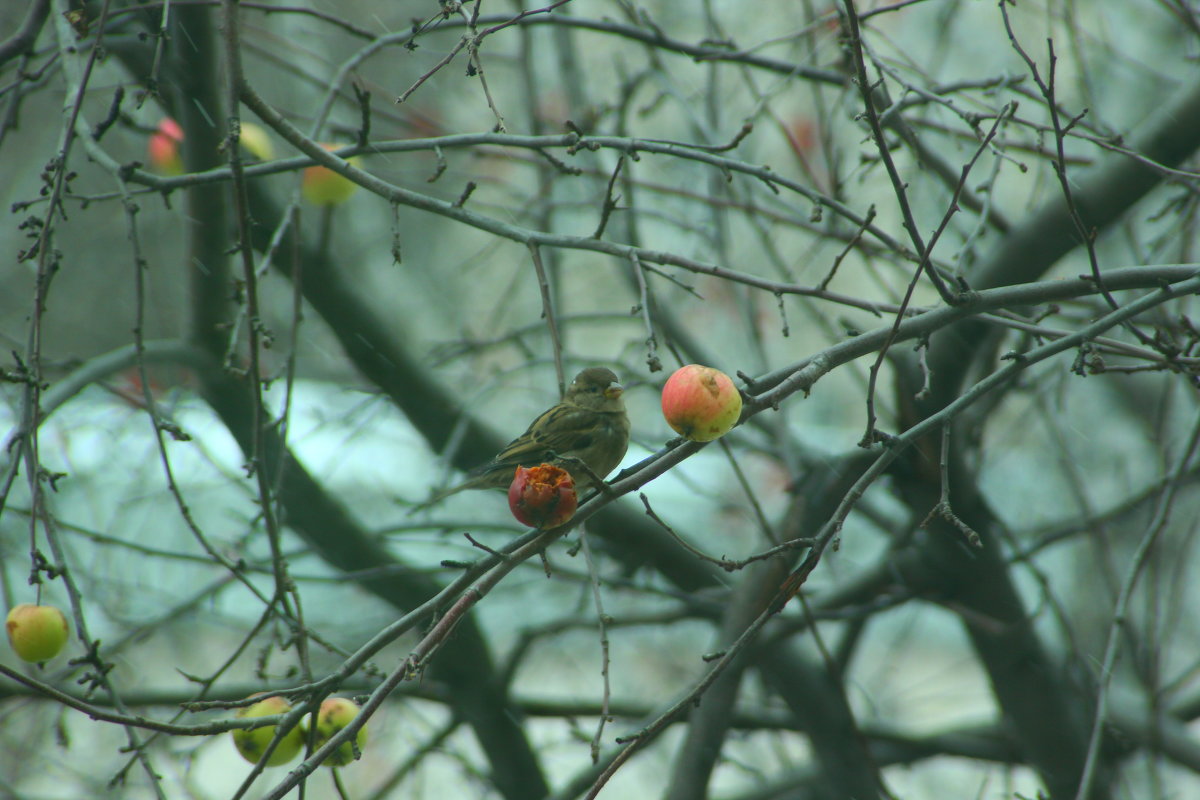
<point x="322" y="186"/>
<point x="37" y="633"/>
<point x="256" y="142"/>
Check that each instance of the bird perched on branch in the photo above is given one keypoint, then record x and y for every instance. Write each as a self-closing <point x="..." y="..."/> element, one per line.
<point x="586" y="433"/>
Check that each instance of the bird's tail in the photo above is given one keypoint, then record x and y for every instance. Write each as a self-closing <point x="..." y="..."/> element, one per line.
<point x="436" y="498"/>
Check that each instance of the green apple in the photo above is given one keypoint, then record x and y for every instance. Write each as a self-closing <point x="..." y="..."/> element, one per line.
<point x="335" y="714"/>
<point x="253" y="743"/>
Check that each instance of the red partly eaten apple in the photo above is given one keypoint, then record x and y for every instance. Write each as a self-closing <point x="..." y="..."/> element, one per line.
<point x="542" y="496"/>
<point x="37" y="633"/>
<point x="701" y="403"/>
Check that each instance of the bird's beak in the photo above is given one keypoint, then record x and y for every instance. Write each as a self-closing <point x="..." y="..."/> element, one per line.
<point x="614" y="391"/>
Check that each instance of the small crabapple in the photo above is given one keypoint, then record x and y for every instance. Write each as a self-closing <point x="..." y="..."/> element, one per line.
<point x="335" y="714"/>
<point x="253" y="743"/>
<point x="37" y="633"/>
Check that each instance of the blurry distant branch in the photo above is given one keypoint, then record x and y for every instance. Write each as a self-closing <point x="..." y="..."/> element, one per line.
<point x="1164" y="508"/>
<point x="899" y="186"/>
<point x="1165" y="735"/>
<point x="231" y="693"/>
<point x="1102" y="195"/>
<point x="1127" y="511"/>
<point x="928" y="322"/>
<point x="100" y="368"/>
<point x="21" y="42"/>
<point x="495" y="23"/>
<point x="100" y="713"/>
<point x="571" y="142"/>
<point x="649" y="35"/>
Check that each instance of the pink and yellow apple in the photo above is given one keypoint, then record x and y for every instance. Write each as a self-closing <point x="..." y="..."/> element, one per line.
<point x="701" y="403"/>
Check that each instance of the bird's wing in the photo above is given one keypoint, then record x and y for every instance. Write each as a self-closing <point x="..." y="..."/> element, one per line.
<point x="563" y="429"/>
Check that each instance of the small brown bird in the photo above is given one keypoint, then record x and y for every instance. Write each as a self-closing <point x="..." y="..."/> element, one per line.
<point x="588" y="425"/>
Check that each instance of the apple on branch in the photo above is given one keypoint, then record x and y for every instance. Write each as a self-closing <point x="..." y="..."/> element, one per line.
<point x="334" y="715"/>
<point x="162" y="149"/>
<point x="253" y="743"/>
<point x="37" y="633"/>
<point x="542" y="496"/>
<point x="322" y="186"/>
<point x="701" y="403"/>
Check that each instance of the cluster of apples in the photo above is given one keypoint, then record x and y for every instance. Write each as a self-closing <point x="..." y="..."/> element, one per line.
<point x="335" y="713"/>
<point x="38" y="633"/>
<point x="320" y="186"/>
<point x="700" y="403"/>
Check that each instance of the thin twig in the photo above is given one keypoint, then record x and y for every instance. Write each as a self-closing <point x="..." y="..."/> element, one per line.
<point x="605" y="660"/>
<point x="981" y="389"/>
<point x="867" y="90"/>
<point x="549" y="314"/>
<point x="942" y="508"/>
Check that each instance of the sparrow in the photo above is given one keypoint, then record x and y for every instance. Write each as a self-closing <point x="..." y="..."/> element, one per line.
<point x="588" y="425"/>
